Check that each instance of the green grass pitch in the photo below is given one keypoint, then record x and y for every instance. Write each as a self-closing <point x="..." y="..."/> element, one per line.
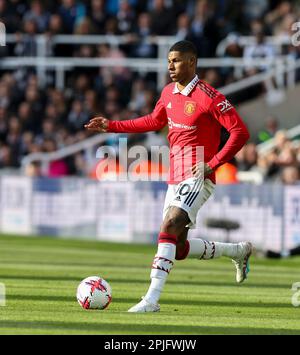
<point x="201" y="297"/>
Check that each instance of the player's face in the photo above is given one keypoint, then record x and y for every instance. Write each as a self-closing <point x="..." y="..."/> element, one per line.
<point x="181" y="66"/>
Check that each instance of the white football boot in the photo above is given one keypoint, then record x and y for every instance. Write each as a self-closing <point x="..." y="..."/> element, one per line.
<point x="144" y="306"/>
<point x="242" y="261"/>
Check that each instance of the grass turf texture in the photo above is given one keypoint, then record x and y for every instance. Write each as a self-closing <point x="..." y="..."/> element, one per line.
<point x="201" y="297"/>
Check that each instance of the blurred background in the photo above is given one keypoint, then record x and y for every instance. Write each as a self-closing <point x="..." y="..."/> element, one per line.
<point x="67" y="61"/>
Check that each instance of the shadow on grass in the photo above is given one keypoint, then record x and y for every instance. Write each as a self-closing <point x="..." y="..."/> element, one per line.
<point x="199" y="303"/>
<point x="187" y="282"/>
<point x="116" y="328"/>
<point x="84" y="264"/>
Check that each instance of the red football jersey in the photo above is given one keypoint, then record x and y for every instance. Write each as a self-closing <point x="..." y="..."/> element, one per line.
<point x="195" y="117"/>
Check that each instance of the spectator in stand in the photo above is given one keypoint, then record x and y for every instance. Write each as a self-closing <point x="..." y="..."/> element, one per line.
<point x="254" y="9"/>
<point x="55" y="26"/>
<point x="276" y="18"/>
<point x="204" y="32"/>
<point x="138" y="100"/>
<point x="80" y="165"/>
<point x="57" y="168"/>
<point x="34" y="170"/>
<point x="7" y="157"/>
<point x="13" y="138"/>
<point x="84" y="27"/>
<point x="112" y="27"/>
<point x="149" y="96"/>
<point x="290" y="175"/>
<point x="38" y="14"/>
<point x="159" y="12"/>
<point x="25" y="116"/>
<point x="48" y="131"/>
<point x="126" y="17"/>
<point x="51" y="113"/>
<point x="247" y="157"/>
<point x="77" y="116"/>
<point x="5" y="95"/>
<point x="82" y="84"/>
<point x="281" y="139"/>
<point x="26" y="45"/>
<point x="3" y="124"/>
<point x="233" y="49"/>
<point x="259" y="50"/>
<point x="111" y="75"/>
<point x="27" y="141"/>
<point x="97" y="14"/>
<point x="72" y="12"/>
<point x="36" y="102"/>
<point x="91" y="104"/>
<point x="212" y="77"/>
<point x="57" y="99"/>
<point x="269" y="131"/>
<point x="286" y="161"/>
<point x="183" y="27"/>
<point x="12" y="14"/>
<point x="230" y="17"/>
<point x="143" y="49"/>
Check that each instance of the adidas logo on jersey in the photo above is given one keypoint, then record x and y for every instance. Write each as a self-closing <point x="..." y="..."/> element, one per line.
<point x="169" y="105"/>
<point x="178" y="198"/>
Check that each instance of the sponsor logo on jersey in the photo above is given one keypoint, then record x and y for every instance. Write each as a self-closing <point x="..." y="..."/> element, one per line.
<point x="225" y="106"/>
<point x="189" y="107"/>
<point x="169" y="105"/>
<point x="179" y="125"/>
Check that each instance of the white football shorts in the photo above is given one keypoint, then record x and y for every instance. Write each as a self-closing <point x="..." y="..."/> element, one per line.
<point x="190" y="195"/>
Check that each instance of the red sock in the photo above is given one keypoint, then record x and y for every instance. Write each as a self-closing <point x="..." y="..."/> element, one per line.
<point x="167" y="238"/>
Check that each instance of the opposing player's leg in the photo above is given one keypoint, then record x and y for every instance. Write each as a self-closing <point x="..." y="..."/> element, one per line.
<point x="173" y="226"/>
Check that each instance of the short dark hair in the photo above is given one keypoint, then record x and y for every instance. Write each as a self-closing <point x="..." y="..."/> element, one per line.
<point x="184" y="47"/>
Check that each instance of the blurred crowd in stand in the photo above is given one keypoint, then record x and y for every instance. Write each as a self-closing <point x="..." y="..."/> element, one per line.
<point x="35" y="118"/>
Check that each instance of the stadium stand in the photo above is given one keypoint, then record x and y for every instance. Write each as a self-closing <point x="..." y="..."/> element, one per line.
<point x="40" y="116"/>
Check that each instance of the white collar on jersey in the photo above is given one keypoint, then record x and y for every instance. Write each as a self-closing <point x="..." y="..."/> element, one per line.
<point x="188" y="89"/>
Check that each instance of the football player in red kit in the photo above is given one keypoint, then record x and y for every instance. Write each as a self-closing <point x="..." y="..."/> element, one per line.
<point x="195" y="113"/>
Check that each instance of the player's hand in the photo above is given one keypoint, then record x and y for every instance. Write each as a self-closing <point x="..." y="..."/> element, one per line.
<point x="97" y="124"/>
<point x="201" y="170"/>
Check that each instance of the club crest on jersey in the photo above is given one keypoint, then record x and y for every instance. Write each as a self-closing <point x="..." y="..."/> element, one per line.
<point x="189" y="108"/>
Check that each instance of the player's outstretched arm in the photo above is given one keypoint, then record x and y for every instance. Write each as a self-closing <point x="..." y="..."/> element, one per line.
<point x="97" y="124"/>
<point x="155" y="121"/>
